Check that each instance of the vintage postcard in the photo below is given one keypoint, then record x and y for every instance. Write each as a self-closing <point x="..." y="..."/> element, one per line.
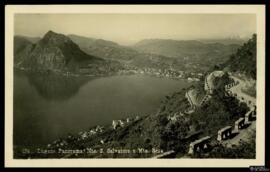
<point x="134" y="85"/>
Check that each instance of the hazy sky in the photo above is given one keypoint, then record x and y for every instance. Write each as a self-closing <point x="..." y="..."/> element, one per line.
<point x="130" y="28"/>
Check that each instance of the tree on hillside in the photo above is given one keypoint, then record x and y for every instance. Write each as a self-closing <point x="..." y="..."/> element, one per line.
<point x="244" y="60"/>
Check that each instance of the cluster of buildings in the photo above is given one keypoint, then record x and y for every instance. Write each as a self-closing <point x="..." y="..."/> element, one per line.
<point x="60" y="143"/>
<point x="121" y="123"/>
<point x="193" y="79"/>
<point x="169" y="73"/>
<point x="84" y="135"/>
<point x="175" y="117"/>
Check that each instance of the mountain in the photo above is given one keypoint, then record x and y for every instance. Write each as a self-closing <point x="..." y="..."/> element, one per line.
<point x="58" y="52"/>
<point x="159" y="53"/>
<point x="124" y="54"/>
<point x="190" y="50"/>
<point x="90" y="41"/>
<point x="103" y="48"/>
<point x="244" y="60"/>
<point x="29" y="38"/>
<point x="175" y="48"/>
<point x="20" y="43"/>
<point x="224" y="41"/>
<point x="162" y="53"/>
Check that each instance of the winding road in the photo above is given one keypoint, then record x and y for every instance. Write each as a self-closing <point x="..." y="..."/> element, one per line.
<point x="244" y="134"/>
<point x="238" y="90"/>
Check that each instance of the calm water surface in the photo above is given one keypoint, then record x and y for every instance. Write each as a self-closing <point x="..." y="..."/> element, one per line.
<point x="47" y="107"/>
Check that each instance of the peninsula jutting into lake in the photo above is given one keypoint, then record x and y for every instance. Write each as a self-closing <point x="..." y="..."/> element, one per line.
<point x="77" y="96"/>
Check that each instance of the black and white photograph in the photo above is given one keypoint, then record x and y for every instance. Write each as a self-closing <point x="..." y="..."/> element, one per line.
<point x="120" y="84"/>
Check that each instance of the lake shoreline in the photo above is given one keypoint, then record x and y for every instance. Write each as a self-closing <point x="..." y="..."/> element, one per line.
<point x="126" y="73"/>
<point x="141" y="78"/>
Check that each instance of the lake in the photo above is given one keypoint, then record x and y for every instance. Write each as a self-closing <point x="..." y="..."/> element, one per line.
<point x="47" y="107"/>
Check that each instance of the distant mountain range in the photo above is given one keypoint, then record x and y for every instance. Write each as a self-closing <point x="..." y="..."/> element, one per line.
<point x="29" y="38"/>
<point x="103" y="48"/>
<point x="225" y="41"/>
<point x="73" y="51"/>
<point x="191" y="49"/>
<point x="56" y="52"/>
<point x="20" y="43"/>
<point x="186" y="55"/>
<point x="124" y="54"/>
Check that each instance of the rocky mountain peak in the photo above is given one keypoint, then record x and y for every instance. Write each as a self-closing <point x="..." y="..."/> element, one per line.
<point x="54" y="38"/>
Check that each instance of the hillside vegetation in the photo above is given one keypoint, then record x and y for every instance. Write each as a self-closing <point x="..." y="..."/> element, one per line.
<point x="244" y="60"/>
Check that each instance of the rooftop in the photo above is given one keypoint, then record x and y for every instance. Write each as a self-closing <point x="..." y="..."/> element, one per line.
<point x="225" y="128"/>
<point x="200" y="140"/>
<point x="240" y="119"/>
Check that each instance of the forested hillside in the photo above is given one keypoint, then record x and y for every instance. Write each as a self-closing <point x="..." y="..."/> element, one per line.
<point x="244" y="60"/>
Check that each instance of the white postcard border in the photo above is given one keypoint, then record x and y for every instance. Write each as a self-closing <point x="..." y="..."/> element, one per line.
<point x="259" y="10"/>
